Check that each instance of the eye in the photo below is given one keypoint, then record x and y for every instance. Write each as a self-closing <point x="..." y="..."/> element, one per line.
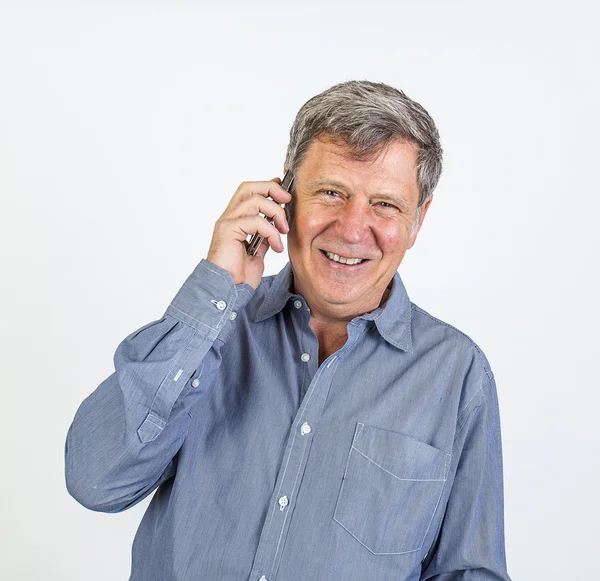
<point x="387" y="205"/>
<point x="331" y="193"/>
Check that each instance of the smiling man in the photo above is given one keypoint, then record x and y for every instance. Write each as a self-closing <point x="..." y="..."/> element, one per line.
<point x="355" y="219"/>
<point x="316" y="424"/>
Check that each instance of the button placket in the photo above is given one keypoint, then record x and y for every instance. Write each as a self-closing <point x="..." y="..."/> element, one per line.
<point x="274" y="534"/>
<point x="293" y="466"/>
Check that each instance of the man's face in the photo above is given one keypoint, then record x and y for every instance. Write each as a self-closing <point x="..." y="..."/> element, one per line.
<point x="353" y="209"/>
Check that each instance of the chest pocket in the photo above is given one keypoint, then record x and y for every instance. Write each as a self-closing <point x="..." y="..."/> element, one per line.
<point x="391" y="490"/>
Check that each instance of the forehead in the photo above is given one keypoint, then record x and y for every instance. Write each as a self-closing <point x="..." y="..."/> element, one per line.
<point x="393" y="169"/>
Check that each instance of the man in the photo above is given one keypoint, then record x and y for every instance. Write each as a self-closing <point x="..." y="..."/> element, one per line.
<point x="313" y="425"/>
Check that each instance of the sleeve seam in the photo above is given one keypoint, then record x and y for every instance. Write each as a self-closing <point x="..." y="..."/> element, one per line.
<point x="465" y="421"/>
<point x="465" y="413"/>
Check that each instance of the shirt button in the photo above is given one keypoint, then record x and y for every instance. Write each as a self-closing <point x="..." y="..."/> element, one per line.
<point x="221" y="305"/>
<point x="283" y="502"/>
<point x="232" y="316"/>
<point x="196" y="382"/>
<point x="298" y="304"/>
<point x="305" y="429"/>
<point x="305" y="357"/>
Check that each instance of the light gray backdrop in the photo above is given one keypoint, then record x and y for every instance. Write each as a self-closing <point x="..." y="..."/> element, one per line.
<point x="126" y="127"/>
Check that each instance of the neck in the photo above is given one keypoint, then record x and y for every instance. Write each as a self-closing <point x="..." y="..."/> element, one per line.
<point x="343" y="319"/>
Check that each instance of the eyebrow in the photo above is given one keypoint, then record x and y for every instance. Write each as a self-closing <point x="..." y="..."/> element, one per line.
<point x="399" y="201"/>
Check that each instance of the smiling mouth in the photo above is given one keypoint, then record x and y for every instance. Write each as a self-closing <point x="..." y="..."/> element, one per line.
<point x="343" y="259"/>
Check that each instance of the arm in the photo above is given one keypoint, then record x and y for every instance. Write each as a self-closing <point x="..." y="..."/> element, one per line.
<point x="470" y="542"/>
<point x="124" y="440"/>
<point x="125" y="436"/>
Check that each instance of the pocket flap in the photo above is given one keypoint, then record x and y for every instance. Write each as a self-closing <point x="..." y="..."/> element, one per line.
<point x="402" y="456"/>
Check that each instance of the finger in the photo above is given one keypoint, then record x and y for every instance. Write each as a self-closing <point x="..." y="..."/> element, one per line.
<point x="248" y="226"/>
<point x="265" y="189"/>
<point x="258" y="205"/>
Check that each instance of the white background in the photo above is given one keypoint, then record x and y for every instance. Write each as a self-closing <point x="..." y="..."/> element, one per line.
<point x="126" y="127"/>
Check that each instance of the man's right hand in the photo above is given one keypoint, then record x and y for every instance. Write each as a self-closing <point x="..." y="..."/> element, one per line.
<point x="241" y="219"/>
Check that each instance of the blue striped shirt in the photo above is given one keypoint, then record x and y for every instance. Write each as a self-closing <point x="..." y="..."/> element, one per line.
<point x="384" y="462"/>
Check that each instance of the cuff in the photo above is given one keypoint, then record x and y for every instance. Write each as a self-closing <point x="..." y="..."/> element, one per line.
<point x="207" y="298"/>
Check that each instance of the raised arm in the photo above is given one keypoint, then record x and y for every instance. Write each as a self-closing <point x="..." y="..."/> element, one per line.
<point x="125" y="436"/>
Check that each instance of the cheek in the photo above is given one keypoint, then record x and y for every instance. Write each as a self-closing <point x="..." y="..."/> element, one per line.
<point x="308" y="226"/>
<point x="393" y="240"/>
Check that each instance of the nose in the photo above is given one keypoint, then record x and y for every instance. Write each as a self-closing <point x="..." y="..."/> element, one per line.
<point x="353" y="224"/>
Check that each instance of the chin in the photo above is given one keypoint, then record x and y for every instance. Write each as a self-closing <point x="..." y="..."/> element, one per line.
<point x="340" y="296"/>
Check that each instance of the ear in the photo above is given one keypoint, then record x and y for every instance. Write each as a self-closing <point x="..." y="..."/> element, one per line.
<point x="415" y="231"/>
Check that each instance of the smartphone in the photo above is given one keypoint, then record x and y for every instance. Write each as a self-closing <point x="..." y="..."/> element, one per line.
<point x="254" y="242"/>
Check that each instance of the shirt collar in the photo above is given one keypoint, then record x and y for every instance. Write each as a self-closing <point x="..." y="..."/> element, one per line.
<point x="393" y="319"/>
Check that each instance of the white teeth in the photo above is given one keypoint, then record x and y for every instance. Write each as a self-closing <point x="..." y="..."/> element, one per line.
<point x="343" y="259"/>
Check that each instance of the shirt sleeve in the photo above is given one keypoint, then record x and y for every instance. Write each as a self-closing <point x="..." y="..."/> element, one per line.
<point x="470" y="542"/>
<point x="124" y="438"/>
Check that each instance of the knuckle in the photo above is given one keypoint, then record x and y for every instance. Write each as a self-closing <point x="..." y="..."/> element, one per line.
<point x="222" y="224"/>
<point x="251" y="198"/>
<point x="242" y="190"/>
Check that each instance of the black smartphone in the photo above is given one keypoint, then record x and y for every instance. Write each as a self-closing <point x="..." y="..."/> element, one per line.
<point x="254" y="242"/>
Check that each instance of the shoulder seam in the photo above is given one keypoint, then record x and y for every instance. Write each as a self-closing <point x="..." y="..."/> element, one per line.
<point x="488" y="372"/>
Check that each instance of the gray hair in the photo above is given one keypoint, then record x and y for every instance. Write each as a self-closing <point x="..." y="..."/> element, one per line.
<point x="367" y="117"/>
